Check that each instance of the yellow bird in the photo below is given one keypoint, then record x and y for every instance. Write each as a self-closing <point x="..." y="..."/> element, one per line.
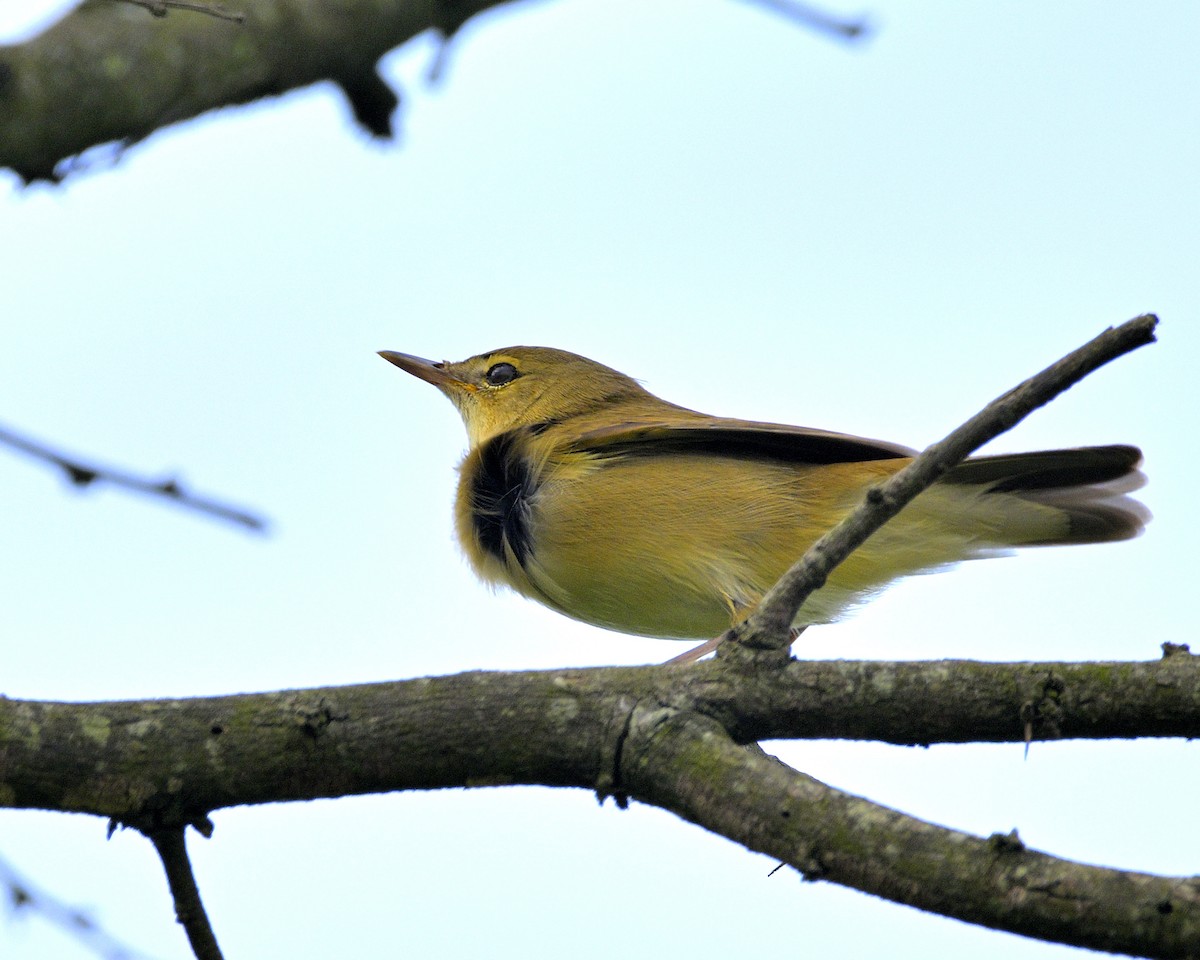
<point x="587" y="493"/>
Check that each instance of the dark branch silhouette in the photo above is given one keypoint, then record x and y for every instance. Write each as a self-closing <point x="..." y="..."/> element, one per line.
<point x="49" y="117"/>
<point x="82" y="474"/>
<point x="24" y="896"/>
<point x="189" y="909"/>
<point x="845" y="28"/>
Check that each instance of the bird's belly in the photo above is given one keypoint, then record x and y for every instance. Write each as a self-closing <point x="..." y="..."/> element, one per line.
<point x="688" y="547"/>
<point x="652" y="595"/>
<point x="618" y="547"/>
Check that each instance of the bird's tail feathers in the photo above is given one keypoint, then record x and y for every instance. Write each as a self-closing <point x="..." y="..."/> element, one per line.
<point x="1086" y="488"/>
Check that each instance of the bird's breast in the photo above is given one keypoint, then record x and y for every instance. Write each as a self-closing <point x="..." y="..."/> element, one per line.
<point x="496" y="489"/>
<point x="649" y="545"/>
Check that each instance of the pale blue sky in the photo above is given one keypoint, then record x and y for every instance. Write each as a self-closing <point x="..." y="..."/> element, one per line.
<point x="754" y="220"/>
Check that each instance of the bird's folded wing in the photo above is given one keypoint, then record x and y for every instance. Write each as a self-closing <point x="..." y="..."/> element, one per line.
<point x="734" y="438"/>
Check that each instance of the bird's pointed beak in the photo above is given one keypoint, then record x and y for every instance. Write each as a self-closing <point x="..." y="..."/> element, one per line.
<point x="431" y="371"/>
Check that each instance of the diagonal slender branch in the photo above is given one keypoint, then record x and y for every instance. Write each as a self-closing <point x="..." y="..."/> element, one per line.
<point x="24" y="896"/>
<point x="189" y="909"/>
<point x="815" y="18"/>
<point x="82" y="474"/>
<point x="770" y="625"/>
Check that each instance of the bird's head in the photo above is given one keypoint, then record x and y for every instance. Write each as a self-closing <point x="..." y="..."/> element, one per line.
<point x="519" y="386"/>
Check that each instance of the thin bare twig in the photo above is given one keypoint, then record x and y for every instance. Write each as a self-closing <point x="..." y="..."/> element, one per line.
<point x="24" y="896"/>
<point x="189" y="910"/>
<point x="159" y="8"/>
<point x="816" y="19"/>
<point x="769" y="627"/>
<point x="81" y="474"/>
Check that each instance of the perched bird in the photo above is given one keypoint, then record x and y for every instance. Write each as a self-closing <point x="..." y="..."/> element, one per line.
<point x="587" y="493"/>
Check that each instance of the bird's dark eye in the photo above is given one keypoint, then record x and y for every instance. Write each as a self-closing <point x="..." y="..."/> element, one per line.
<point x="501" y="373"/>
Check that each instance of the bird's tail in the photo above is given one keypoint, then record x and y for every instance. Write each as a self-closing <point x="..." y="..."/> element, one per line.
<point x="1085" y="490"/>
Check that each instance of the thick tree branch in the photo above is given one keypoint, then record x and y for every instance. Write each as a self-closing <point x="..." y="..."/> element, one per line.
<point x="82" y="474"/>
<point x="110" y="72"/>
<point x="114" y="71"/>
<point x="961" y="701"/>
<point x="690" y="766"/>
<point x="660" y="736"/>
<point x="173" y="761"/>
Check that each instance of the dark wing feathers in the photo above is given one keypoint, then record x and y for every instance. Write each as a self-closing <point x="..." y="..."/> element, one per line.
<point x="1048" y="469"/>
<point x="1088" y="484"/>
<point x="736" y="438"/>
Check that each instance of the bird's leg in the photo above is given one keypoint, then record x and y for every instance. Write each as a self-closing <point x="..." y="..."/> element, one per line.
<point x="738" y="611"/>
<point x="708" y="646"/>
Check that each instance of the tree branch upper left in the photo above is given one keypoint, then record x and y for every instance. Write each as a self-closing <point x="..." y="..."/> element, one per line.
<point x="111" y="72"/>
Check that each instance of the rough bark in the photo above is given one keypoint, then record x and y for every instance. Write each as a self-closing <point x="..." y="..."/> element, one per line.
<point x="672" y="737"/>
<point x="111" y="72"/>
<point x="153" y="761"/>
